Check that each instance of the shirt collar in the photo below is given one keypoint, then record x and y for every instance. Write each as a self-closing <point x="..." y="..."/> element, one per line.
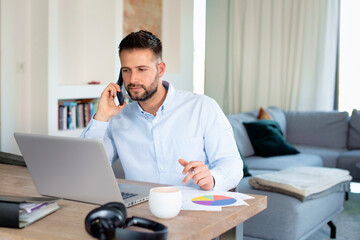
<point x="169" y="96"/>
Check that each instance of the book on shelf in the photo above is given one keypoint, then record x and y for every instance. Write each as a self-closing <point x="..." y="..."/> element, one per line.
<point x="20" y="211"/>
<point x="75" y="113"/>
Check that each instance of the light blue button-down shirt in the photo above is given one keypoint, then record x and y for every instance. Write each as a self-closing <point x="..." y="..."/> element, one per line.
<point x="187" y="126"/>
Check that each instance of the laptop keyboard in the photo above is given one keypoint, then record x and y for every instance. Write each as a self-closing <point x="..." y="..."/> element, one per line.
<point x="126" y="195"/>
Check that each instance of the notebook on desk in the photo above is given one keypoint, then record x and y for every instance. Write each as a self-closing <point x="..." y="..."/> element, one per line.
<point x="76" y="169"/>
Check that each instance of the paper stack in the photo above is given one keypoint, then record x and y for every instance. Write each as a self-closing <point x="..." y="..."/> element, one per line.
<point x="20" y="211"/>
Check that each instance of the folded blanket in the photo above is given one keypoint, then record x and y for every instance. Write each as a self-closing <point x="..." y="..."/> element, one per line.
<point x="303" y="182"/>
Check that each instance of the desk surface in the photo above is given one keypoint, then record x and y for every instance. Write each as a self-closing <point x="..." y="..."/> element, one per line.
<point x="68" y="222"/>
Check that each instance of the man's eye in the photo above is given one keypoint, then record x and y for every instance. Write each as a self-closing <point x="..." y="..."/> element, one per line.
<point x="125" y="70"/>
<point x="142" y="69"/>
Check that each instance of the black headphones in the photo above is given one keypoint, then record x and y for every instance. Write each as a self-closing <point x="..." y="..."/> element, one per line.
<point x="109" y="221"/>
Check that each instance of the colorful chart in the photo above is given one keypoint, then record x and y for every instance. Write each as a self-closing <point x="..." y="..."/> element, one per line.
<point x="213" y="200"/>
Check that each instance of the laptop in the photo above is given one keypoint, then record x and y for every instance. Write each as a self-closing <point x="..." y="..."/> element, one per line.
<point x="76" y="169"/>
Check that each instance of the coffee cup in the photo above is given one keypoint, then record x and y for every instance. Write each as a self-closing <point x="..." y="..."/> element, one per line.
<point x="165" y="202"/>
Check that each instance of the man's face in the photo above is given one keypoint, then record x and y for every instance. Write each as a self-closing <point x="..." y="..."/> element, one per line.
<point x="140" y="73"/>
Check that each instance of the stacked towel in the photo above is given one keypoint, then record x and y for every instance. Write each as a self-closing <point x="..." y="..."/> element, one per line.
<point x="303" y="182"/>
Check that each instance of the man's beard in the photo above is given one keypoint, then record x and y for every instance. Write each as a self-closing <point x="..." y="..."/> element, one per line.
<point x="149" y="92"/>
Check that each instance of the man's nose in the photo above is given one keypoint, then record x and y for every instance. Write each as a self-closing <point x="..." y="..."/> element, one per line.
<point x="134" y="77"/>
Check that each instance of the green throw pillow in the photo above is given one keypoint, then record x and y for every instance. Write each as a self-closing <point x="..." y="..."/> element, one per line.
<point x="267" y="139"/>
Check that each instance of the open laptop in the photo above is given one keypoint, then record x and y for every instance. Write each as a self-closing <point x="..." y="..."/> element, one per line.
<point x="76" y="169"/>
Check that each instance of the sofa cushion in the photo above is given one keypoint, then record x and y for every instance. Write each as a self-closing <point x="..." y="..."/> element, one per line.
<point x="278" y="115"/>
<point x="241" y="137"/>
<point x="328" y="155"/>
<point x="240" y="134"/>
<point x="315" y="128"/>
<point x="267" y="138"/>
<point x="288" y="218"/>
<point x="348" y="160"/>
<point x="354" y="130"/>
<point x="283" y="162"/>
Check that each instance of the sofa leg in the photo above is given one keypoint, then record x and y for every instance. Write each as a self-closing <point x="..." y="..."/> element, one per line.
<point x="346" y="196"/>
<point x="332" y="229"/>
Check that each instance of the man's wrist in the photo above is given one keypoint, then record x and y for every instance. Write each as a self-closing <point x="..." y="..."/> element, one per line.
<point x="100" y="117"/>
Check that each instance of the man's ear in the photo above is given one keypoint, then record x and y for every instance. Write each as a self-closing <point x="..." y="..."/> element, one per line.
<point x="161" y="69"/>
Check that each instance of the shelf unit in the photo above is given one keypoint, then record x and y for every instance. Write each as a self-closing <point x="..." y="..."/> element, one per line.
<point x="82" y="46"/>
<point x="75" y="114"/>
<point x="70" y="93"/>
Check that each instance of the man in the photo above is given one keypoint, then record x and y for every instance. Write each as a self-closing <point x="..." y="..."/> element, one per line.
<point x="166" y="136"/>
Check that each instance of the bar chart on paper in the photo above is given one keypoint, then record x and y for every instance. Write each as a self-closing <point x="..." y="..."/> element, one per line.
<point x="213" y="200"/>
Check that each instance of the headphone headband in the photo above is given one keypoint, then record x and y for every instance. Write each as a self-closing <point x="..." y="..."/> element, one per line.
<point x="109" y="222"/>
<point x="160" y="230"/>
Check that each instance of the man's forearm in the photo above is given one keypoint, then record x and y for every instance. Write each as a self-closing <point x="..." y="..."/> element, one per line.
<point x="95" y="129"/>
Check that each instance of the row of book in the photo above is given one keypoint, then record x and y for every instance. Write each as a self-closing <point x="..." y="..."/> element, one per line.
<point x="76" y="113"/>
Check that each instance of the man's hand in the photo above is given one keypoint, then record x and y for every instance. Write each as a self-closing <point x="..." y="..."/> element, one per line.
<point x="199" y="172"/>
<point x="107" y="107"/>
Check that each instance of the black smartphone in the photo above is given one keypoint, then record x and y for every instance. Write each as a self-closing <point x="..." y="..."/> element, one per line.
<point x="120" y="94"/>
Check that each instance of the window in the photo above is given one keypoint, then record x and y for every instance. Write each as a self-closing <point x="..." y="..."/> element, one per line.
<point x="349" y="54"/>
<point x="199" y="46"/>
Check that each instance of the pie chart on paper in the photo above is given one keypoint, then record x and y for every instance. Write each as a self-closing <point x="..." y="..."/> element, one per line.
<point x="214" y="200"/>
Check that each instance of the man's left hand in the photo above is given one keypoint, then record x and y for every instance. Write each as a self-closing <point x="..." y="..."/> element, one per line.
<point x="199" y="173"/>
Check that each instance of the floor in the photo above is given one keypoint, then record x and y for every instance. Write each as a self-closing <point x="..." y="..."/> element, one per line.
<point x="355" y="187"/>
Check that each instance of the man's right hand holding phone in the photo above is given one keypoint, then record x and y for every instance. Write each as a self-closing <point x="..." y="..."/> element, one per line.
<point x="107" y="107"/>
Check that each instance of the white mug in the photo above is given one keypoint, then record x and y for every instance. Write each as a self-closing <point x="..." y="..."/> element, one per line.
<point x="165" y="202"/>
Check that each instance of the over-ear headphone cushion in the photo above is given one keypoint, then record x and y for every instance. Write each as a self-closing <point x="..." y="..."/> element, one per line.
<point x="110" y="220"/>
<point x="120" y="208"/>
<point x="106" y="218"/>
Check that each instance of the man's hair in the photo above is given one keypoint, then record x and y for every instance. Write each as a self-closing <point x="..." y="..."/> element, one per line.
<point x="142" y="40"/>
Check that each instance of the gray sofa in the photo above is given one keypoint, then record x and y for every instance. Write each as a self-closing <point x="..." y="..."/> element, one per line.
<point x="329" y="139"/>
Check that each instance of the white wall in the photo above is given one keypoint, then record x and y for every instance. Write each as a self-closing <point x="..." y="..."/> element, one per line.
<point x="178" y="43"/>
<point x="27" y="66"/>
<point x="38" y="67"/>
<point x="15" y="74"/>
<point x="86" y="38"/>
